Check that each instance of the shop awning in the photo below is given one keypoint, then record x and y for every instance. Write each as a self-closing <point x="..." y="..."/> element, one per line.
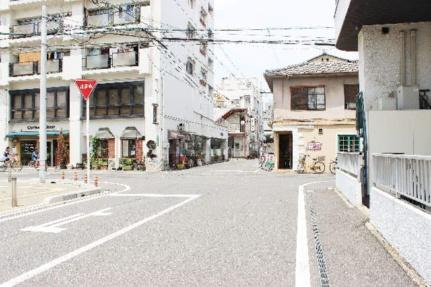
<point x="104" y="134"/>
<point x="131" y="133"/>
<point x="34" y="134"/>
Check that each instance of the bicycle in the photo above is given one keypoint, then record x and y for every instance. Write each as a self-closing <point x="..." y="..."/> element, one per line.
<point x="267" y="162"/>
<point x="333" y="166"/>
<point x="317" y="167"/>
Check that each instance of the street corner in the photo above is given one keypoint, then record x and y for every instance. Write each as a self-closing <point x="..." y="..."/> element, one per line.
<point x="25" y="193"/>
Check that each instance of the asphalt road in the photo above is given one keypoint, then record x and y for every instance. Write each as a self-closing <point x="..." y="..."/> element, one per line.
<point x="221" y="225"/>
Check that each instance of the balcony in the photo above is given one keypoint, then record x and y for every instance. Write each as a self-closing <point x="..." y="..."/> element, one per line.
<point x="125" y="59"/>
<point x="33" y="29"/>
<point x="33" y="68"/>
<point x="107" y="61"/>
<point x="123" y="15"/>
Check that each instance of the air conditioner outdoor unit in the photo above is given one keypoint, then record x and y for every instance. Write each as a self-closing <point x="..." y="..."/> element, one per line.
<point x="408" y="98"/>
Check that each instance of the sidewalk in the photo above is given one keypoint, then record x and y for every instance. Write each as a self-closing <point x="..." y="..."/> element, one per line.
<point x="31" y="192"/>
<point x="342" y="249"/>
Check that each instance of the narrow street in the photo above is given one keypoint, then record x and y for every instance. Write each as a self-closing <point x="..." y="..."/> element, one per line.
<point x="227" y="224"/>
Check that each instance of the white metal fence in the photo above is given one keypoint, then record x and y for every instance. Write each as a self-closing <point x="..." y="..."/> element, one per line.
<point x="349" y="162"/>
<point x="409" y="176"/>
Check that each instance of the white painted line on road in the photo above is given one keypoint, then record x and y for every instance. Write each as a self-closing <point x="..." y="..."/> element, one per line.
<point x="23" y="213"/>
<point x="47" y="266"/>
<point x="151" y="195"/>
<point x="302" y="268"/>
<point x="54" y="226"/>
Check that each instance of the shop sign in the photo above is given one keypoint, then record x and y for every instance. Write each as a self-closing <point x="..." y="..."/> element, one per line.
<point x="31" y="128"/>
<point x="314" y="146"/>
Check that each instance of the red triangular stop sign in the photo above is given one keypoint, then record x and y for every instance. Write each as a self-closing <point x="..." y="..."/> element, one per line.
<point x="86" y="87"/>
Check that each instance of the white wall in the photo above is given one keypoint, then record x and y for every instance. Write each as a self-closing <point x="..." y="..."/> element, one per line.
<point x="405" y="227"/>
<point x="349" y="186"/>
<point x="380" y="57"/>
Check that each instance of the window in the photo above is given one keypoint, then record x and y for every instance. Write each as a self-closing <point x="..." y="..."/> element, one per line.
<point x="25" y="104"/>
<point x="102" y="149"/>
<point x="190" y="66"/>
<point x="204" y="48"/>
<point x="308" y="98"/>
<point x="128" y="148"/>
<point x="191" y="31"/>
<point x="350" y="93"/>
<point x="155" y="106"/>
<point x="117" y="100"/>
<point x="348" y="143"/>
<point x="192" y="3"/>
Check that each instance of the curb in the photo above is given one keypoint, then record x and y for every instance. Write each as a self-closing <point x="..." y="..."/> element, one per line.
<point x="72" y="195"/>
<point x="410" y="271"/>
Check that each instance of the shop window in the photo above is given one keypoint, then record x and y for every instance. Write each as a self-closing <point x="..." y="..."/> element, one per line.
<point x="350" y="93"/>
<point x="348" y="143"/>
<point x="128" y="149"/>
<point x="117" y="100"/>
<point x="25" y="104"/>
<point x="102" y="150"/>
<point x="308" y="98"/>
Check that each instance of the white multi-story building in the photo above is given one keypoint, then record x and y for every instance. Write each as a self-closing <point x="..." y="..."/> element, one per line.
<point x="153" y="100"/>
<point x="241" y="106"/>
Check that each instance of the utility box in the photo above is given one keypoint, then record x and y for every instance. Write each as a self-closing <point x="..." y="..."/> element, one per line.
<point x="408" y="98"/>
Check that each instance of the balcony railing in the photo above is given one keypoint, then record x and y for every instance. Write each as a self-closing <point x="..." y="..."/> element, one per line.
<point x="33" y="68"/>
<point x="98" y="61"/>
<point x="106" y="61"/>
<point x="33" y="29"/>
<point x="349" y="162"/>
<point x="404" y="176"/>
<point x="125" y="59"/>
<point x="118" y="16"/>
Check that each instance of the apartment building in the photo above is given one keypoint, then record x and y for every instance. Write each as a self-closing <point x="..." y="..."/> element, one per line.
<point x="240" y="106"/>
<point x="314" y="109"/>
<point x="153" y="100"/>
<point x="392" y="173"/>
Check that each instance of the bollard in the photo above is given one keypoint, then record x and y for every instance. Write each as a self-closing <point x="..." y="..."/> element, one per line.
<point x="13" y="191"/>
<point x="63" y="175"/>
<point x="96" y="181"/>
<point x="75" y="176"/>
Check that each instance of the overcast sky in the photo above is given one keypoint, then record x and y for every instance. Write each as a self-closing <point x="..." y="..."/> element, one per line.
<point x="251" y="60"/>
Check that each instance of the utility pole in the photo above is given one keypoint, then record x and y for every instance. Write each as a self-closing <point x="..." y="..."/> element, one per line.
<point x="42" y="92"/>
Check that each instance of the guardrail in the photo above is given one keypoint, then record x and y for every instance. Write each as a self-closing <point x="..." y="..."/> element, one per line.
<point x="349" y="162"/>
<point x="404" y="175"/>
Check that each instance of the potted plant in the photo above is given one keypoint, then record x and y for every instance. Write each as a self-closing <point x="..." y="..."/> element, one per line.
<point x="126" y="164"/>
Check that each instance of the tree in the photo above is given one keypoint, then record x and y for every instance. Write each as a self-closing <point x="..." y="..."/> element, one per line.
<point x="61" y="151"/>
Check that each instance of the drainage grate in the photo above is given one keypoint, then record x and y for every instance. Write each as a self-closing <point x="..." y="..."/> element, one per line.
<point x="321" y="262"/>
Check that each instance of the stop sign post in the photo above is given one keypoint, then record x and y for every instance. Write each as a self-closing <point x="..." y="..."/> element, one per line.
<point x="86" y="88"/>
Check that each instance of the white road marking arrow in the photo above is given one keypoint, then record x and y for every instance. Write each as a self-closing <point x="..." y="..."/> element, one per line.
<point x="54" y="226"/>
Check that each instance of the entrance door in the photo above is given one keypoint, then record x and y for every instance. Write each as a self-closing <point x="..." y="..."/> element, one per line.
<point x="285" y="151"/>
<point x="26" y="149"/>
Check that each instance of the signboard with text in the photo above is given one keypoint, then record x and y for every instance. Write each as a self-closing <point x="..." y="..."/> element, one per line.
<point x="86" y="87"/>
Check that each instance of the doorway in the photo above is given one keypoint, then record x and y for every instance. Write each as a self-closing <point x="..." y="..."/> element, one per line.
<point x="285" y="151"/>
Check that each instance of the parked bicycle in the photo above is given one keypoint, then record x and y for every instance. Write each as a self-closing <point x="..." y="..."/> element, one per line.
<point x="333" y="166"/>
<point x="316" y="165"/>
<point x="266" y="162"/>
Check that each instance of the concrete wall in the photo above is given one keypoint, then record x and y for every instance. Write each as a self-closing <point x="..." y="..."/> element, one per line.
<point x="405" y="227"/>
<point x="380" y="58"/>
<point x="334" y="92"/>
<point x="349" y="186"/>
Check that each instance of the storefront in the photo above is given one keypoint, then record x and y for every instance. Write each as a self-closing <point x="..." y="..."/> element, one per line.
<point x="23" y="143"/>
